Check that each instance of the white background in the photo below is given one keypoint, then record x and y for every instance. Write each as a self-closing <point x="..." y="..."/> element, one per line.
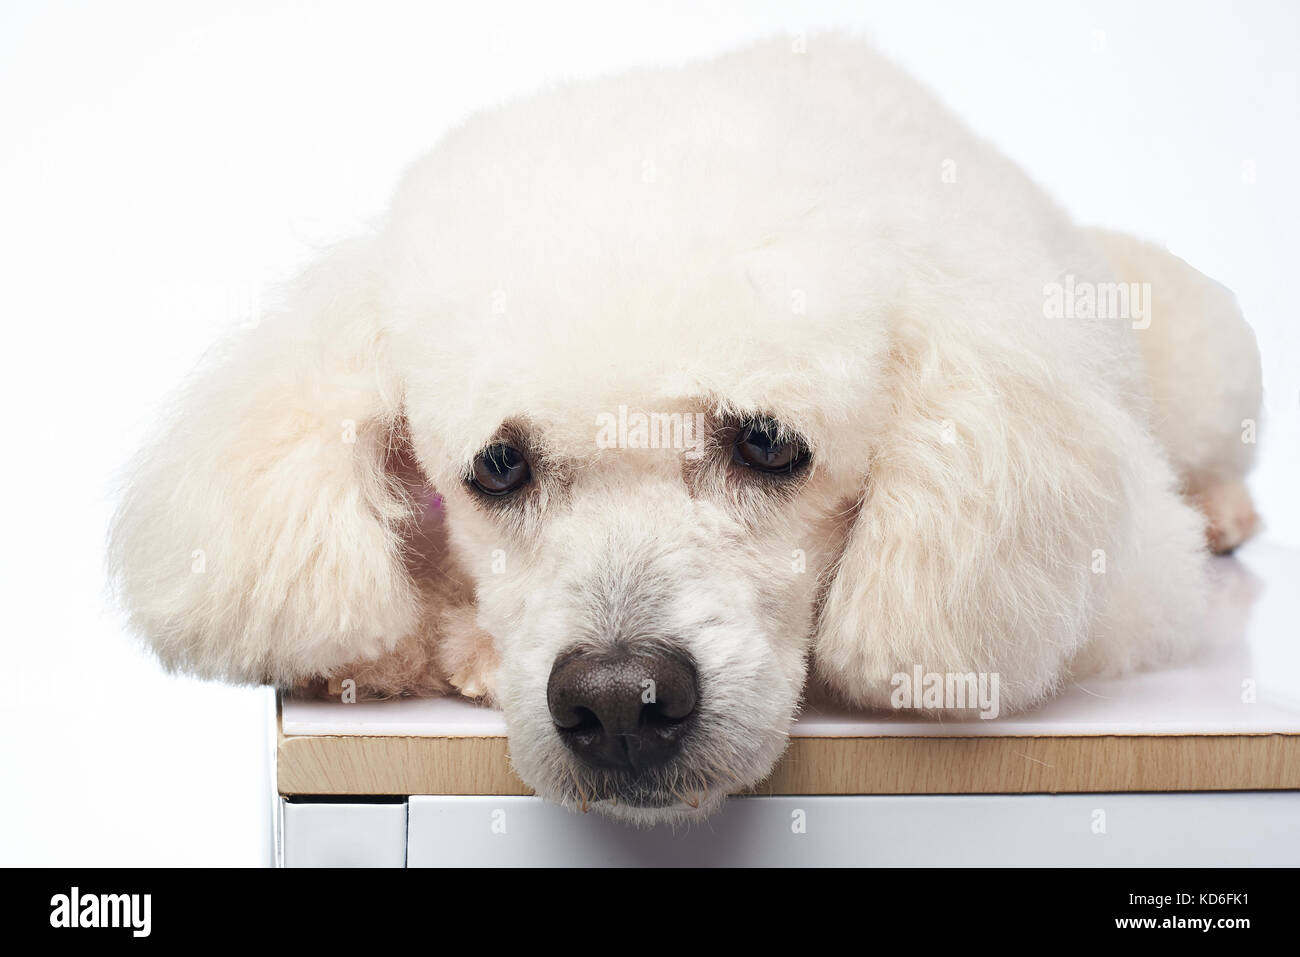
<point x="163" y="163"/>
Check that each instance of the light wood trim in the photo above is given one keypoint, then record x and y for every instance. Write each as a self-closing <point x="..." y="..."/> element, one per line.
<point x="347" y="764"/>
<point x="1024" y="765"/>
<point x="355" y="764"/>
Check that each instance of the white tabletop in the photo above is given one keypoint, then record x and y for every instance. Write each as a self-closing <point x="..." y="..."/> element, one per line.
<point x="1251" y="634"/>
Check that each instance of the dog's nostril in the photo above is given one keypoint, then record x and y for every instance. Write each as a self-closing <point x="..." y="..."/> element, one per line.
<point x="583" y="720"/>
<point x="624" y="708"/>
<point x="659" y="713"/>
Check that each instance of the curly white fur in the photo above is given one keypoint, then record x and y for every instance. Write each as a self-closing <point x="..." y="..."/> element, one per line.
<point x="805" y="235"/>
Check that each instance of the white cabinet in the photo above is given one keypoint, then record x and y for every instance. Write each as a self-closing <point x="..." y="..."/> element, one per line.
<point x="343" y="834"/>
<point x="1257" y="828"/>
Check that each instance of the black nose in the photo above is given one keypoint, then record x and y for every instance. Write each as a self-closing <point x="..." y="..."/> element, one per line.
<point x="623" y="708"/>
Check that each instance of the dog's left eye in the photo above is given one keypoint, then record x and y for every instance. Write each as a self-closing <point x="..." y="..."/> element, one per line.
<point x="499" y="470"/>
<point x="759" y="446"/>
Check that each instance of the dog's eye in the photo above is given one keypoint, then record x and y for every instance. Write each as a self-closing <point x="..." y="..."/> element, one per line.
<point x="500" y="469"/>
<point x="758" y="446"/>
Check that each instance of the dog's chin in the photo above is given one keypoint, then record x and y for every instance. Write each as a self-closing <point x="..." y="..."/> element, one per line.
<point x="675" y="794"/>
<point x="652" y="797"/>
<point x="648" y="810"/>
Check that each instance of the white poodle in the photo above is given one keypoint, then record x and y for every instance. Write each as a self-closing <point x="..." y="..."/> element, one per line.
<point x="654" y="396"/>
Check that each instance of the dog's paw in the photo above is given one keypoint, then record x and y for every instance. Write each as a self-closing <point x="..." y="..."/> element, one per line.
<point x="471" y="683"/>
<point x="1230" y="516"/>
<point x="408" y="668"/>
<point x="467" y="656"/>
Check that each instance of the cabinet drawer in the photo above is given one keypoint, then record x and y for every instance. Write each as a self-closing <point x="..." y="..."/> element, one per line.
<point x="1205" y="829"/>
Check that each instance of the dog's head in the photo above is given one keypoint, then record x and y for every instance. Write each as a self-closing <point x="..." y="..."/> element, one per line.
<point x="649" y="448"/>
<point x="672" y="364"/>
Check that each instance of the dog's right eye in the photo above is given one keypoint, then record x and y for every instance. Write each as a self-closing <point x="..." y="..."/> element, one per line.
<point x="758" y="447"/>
<point x="499" y="470"/>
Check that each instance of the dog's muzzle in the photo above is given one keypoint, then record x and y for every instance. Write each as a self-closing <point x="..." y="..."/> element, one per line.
<point x="624" y="709"/>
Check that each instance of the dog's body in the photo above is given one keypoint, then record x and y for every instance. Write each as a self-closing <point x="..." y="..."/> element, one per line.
<point x="803" y="239"/>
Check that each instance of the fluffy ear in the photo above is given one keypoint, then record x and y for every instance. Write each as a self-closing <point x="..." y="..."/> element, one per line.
<point x="1014" y="513"/>
<point x="260" y="538"/>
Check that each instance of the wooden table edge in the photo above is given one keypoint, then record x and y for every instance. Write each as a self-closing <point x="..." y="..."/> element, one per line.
<point x="322" y="764"/>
